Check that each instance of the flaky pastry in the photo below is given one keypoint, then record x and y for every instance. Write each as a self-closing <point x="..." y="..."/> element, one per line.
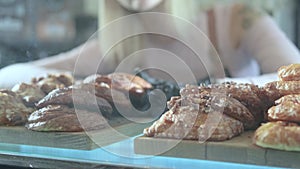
<point x="278" y="135"/>
<point x="289" y="73"/>
<point x="287" y="109"/>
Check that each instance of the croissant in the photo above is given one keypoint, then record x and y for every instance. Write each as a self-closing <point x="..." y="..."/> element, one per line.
<point x="215" y="112"/>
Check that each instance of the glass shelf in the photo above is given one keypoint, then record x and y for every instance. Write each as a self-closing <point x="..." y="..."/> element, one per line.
<point x="58" y="157"/>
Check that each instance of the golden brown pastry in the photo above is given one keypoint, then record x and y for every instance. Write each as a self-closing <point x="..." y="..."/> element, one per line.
<point x="78" y="96"/>
<point x="13" y="112"/>
<point x="235" y="109"/>
<point x="284" y="87"/>
<point x="289" y="73"/>
<point x="287" y="109"/>
<point x="53" y="81"/>
<point x="187" y="123"/>
<point x="225" y="129"/>
<point x="198" y="115"/>
<point x="120" y="81"/>
<point x="63" y="118"/>
<point x="278" y="135"/>
<point x="128" y="82"/>
<point x="283" y="131"/>
<point x="289" y="98"/>
<point x="132" y="86"/>
<point x="251" y="96"/>
<point x="175" y="100"/>
<point x="209" y="101"/>
<point x="88" y="97"/>
<point x="30" y="93"/>
<point x="271" y="94"/>
<point x="289" y="83"/>
<point x="62" y="96"/>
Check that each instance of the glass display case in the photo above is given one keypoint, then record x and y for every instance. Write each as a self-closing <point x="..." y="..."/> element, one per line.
<point x="31" y="30"/>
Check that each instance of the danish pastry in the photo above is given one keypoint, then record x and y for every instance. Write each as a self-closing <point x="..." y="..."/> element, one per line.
<point x="278" y="135"/>
<point x="289" y="73"/>
<point x="289" y="98"/>
<point x="283" y="87"/>
<point x="287" y="109"/>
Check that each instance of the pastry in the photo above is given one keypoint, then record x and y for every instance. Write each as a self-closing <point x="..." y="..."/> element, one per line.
<point x="187" y="123"/>
<point x="278" y="135"/>
<point x="13" y="112"/>
<point x="175" y="100"/>
<point x="282" y="132"/>
<point x="289" y="73"/>
<point x="125" y="81"/>
<point x="63" y="118"/>
<point x="134" y="87"/>
<point x="53" y="81"/>
<point x="283" y="87"/>
<point x="81" y="96"/>
<point x="271" y="94"/>
<point x="119" y="81"/>
<point x="249" y="95"/>
<point x="209" y="101"/>
<point x="30" y="93"/>
<point x="59" y="96"/>
<point x="289" y="98"/>
<point x="287" y="109"/>
<point x="198" y="115"/>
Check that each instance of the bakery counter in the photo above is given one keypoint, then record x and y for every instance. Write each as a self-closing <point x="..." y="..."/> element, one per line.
<point x="114" y="140"/>
<point x="118" y="155"/>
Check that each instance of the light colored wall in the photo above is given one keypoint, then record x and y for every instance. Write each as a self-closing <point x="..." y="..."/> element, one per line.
<point x="91" y="7"/>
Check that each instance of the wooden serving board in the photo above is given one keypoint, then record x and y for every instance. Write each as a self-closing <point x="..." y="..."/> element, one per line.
<point x="238" y="150"/>
<point x="70" y="140"/>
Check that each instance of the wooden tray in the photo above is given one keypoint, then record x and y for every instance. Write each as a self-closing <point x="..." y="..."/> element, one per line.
<point x="238" y="150"/>
<point x="70" y="140"/>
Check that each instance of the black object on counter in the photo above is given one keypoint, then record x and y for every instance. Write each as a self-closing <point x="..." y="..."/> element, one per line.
<point x="170" y="88"/>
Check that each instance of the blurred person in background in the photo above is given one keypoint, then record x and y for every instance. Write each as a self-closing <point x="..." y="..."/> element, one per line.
<point x="249" y="43"/>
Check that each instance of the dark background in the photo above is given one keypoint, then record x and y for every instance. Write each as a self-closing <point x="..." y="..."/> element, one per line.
<point x="25" y="28"/>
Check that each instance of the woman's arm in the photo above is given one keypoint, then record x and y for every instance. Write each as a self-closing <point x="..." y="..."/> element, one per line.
<point x="22" y="73"/>
<point x="263" y="39"/>
<point x="85" y="57"/>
